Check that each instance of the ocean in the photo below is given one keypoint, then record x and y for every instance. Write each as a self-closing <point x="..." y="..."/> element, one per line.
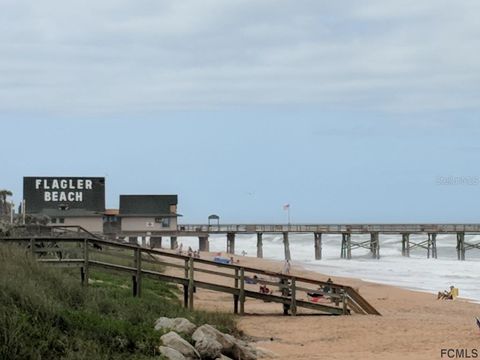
<point x="415" y="273"/>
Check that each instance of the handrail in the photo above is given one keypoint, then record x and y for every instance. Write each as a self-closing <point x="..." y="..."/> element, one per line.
<point x="286" y="282"/>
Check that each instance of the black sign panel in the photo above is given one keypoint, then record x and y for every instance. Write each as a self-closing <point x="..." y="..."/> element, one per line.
<point x="64" y="193"/>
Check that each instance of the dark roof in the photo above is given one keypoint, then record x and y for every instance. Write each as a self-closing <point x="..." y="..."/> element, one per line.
<point x="147" y="205"/>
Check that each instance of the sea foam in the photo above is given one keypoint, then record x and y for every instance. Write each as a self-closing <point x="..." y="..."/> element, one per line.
<point x="416" y="272"/>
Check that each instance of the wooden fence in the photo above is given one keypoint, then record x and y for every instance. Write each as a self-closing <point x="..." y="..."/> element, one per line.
<point x="293" y="292"/>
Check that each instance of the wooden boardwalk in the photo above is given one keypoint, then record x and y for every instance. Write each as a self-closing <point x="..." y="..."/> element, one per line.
<point x="84" y="251"/>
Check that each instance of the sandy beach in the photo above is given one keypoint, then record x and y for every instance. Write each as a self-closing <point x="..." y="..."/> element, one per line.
<point x="413" y="325"/>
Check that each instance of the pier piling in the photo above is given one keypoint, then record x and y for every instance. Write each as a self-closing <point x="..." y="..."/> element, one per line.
<point x="203" y="243"/>
<point x="318" y="246"/>
<point x="231" y="243"/>
<point x="375" y="245"/>
<point x="432" y="243"/>
<point x="286" y="246"/>
<point x="405" y="244"/>
<point x="461" y="246"/>
<point x="259" y="245"/>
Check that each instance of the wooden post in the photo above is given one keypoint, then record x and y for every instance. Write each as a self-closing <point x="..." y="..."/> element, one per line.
<point x="82" y="276"/>
<point x="242" y="291"/>
<point x="185" y="287"/>
<point x="236" y="297"/>
<point x="285" y="291"/>
<point x="318" y="246"/>
<point x="293" y="291"/>
<point x="231" y="243"/>
<point x="138" y="274"/>
<point x="85" y="262"/>
<point x="32" y="247"/>
<point x="173" y="242"/>
<point x="144" y="241"/>
<point x="259" y="245"/>
<point x="134" y="285"/>
<point x="286" y="246"/>
<point x="344" y="303"/>
<point x="190" y="283"/>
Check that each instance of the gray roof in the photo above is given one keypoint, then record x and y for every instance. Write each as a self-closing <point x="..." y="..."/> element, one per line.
<point x="147" y="205"/>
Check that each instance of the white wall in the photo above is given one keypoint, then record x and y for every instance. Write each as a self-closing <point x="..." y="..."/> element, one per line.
<point x="146" y="224"/>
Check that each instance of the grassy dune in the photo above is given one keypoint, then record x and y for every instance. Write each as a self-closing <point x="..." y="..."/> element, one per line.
<point x="46" y="314"/>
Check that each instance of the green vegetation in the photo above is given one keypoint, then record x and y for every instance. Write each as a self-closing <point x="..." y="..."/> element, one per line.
<point x="46" y="314"/>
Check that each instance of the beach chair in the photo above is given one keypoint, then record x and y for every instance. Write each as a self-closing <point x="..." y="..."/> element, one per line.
<point x="454" y="293"/>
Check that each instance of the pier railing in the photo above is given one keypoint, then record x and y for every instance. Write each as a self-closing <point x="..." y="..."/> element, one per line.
<point x="328" y="228"/>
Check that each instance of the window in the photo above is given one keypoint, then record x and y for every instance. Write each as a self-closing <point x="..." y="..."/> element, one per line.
<point x="165" y="222"/>
<point x="61" y="220"/>
<point x="53" y="220"/>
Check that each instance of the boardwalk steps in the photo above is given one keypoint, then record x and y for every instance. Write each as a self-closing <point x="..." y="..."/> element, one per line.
<point x="85" y="252"/>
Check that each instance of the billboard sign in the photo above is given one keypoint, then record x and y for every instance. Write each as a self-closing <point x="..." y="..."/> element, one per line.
<point x="64" y="193"/>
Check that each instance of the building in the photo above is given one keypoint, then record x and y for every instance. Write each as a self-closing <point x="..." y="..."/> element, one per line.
<point x="78" y="201"/>
<point x="111" y="223"/>
<point x="154" y="214"/>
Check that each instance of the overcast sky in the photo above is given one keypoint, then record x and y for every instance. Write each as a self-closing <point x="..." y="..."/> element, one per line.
<point x="348" y="110"/>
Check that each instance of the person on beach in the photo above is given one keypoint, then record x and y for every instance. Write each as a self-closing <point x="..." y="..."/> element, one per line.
<point x="448" y="294"/>
<point x="328" y="288"/>
<point x="286" y="267"/>
<point x="180" y="249"/>
<point x="190" y="251"/>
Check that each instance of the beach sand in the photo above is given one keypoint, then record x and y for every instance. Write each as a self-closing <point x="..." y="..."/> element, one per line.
<point x="413" y="325"/>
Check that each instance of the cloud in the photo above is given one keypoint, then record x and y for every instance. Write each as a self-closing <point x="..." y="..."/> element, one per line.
<point x="117" y="57"/>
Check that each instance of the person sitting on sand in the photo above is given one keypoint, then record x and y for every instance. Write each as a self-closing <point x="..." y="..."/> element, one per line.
<point x="328" y="288"/>
<point x="316" y="294"/>
<point x="448" y="294"/>
<point x="265" y="290"/>
<point x="249" y="280"/>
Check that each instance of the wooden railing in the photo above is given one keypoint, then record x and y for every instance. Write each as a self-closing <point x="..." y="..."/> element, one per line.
<point x="241" y="282"/>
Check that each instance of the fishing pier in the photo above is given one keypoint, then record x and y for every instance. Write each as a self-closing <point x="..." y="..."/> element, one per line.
<point x="349" y="236"/>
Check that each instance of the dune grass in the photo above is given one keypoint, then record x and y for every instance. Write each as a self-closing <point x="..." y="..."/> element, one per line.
<point x="46" y="314"/>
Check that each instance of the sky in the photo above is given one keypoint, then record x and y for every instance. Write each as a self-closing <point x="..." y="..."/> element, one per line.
<point x="350" y="111"/>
